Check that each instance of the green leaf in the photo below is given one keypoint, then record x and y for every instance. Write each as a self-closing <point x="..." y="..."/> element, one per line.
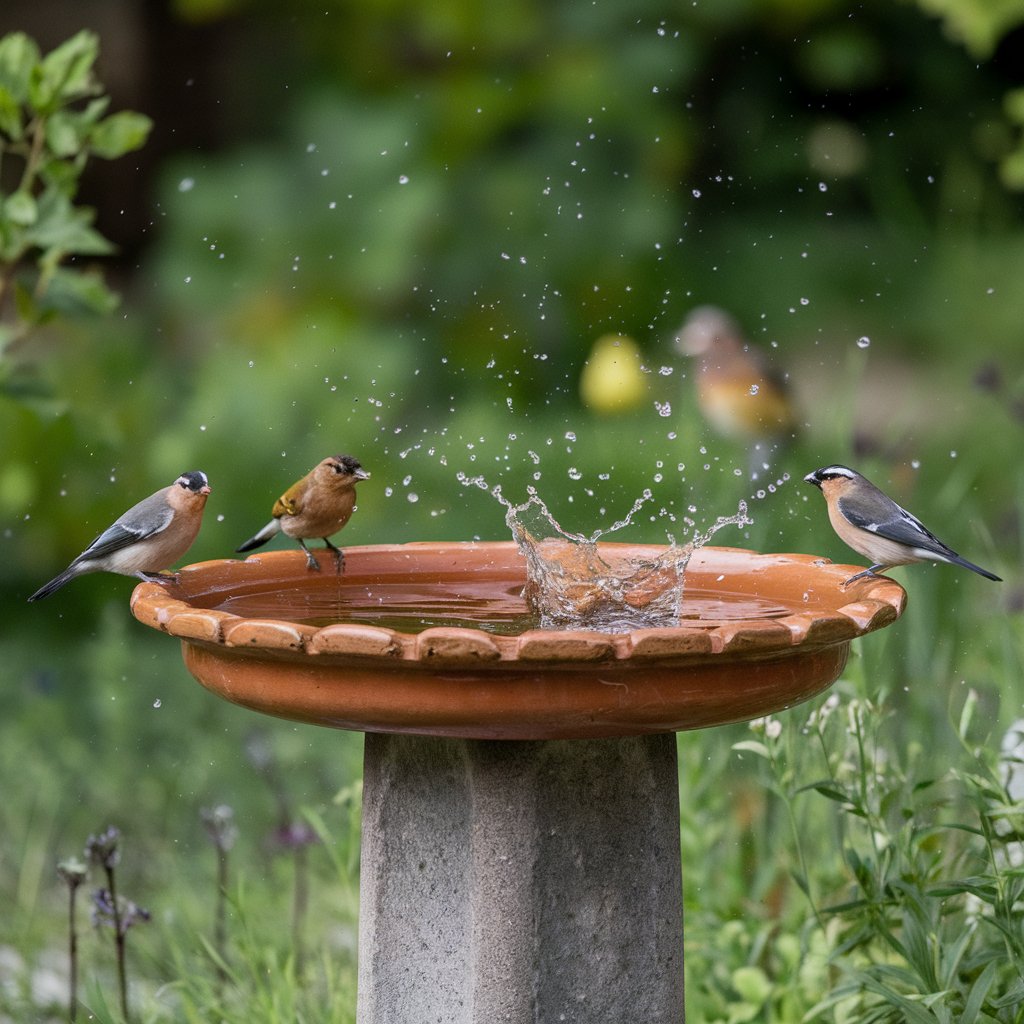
<point x="752" y="984"/>
<point x="62" y="135"/>
<point x="93" y="111"/>
<point x="742" y="1013"/>
<point x="62" y="174"/>
<point x="62" y="229"/>
<point x="65" y="74"/>
<point x="20" y="209"/>
<point x="25" y="304"/>
<point x="119" y="134"/>
<point x="1013" y="104"/>
<point x="753" y="747"/>
<point x="18" y="56"/>
<point x="74" y="292"/>
<point x="826" y="789"/>
<point x="10" y="115"/>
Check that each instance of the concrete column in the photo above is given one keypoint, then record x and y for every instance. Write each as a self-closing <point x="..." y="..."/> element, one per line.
<point x="520" y="882"/>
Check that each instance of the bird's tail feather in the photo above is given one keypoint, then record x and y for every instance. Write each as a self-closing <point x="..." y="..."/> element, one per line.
<point x="262" y="537"/>
<point x="55" y="584"/>
<point x="976" y="568"/>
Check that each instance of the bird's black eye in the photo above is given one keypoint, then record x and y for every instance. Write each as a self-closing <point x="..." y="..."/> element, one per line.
<point x="337" y="467"/>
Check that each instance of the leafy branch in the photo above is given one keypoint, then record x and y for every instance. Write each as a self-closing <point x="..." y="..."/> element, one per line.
<point x="53" y="120"/>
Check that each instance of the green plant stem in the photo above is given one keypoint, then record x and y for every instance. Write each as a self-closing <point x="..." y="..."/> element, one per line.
<point x="794" y="825"/>
<point x="119" y="944"/>
<point x="300" y="901"/>
<point x="6" y="276"/>
<point x="873" y="825"/>
<point x="28" y="175"/>
<point x="72" y="955"/>
<point x="220" y="931"/>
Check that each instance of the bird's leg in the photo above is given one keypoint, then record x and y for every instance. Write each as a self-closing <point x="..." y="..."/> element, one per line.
<point x="311" y="562"/>
<point x="339" y="555"/>
<point x="157" y="577"/>
<point x="873" y="571"/>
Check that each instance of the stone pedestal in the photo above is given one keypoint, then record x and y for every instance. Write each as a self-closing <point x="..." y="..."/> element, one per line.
<point x="533" y="881"/>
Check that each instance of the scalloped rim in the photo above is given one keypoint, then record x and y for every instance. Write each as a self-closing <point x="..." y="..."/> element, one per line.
<point x="875" y="603"/>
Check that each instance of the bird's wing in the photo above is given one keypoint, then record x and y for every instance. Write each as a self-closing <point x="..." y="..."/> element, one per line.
<point x="148" y="517"/>
<point x="286" y="505"/>
<point x="893" y="523"/>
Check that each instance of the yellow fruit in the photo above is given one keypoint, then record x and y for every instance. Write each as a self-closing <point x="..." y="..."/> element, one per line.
<point x="612" y="380"/>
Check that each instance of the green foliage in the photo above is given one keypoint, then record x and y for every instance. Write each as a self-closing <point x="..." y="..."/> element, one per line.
<point x="912" y="879"/>
<point x="978" y="24"/>
<point x="53" y="118"/>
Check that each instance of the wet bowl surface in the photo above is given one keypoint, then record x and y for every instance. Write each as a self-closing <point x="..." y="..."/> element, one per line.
<point x="435" y="639"/>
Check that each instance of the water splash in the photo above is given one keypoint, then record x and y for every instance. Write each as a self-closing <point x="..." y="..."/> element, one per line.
<point x="572" y="583"/>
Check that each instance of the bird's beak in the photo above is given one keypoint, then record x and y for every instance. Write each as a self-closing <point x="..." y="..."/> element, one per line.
<point x="205" y="489"/>
<point x="812" y="478"/>
<point x="361" y="474"/>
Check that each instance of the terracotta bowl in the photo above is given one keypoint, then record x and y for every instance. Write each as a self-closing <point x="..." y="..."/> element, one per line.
<point x="342" y="650"/>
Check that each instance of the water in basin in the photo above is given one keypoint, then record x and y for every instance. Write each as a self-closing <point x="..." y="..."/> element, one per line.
<point x="570" y="581"/>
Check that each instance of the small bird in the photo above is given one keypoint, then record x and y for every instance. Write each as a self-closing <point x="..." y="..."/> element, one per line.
<point x="318" y="505"/>
<point x="150" y="537"/>
<point x="877" y="528"/>
<point x="738" y="393"/>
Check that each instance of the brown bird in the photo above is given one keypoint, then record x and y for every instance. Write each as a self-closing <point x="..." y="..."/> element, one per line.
<point x="738" y="393"/>
<point x="149" y="537"/>
<point x="318" y="505"/>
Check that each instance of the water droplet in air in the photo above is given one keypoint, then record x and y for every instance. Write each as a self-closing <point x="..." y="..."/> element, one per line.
<point x="863" y="342"/>
<point x="157" y="702"/>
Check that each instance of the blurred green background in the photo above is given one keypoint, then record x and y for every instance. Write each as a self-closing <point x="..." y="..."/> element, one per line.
<point x="396" y="230"/>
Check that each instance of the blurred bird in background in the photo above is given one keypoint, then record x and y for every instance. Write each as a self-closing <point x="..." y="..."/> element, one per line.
<point x="739" y="394"/>
<point x="318" y="505"/>
<point x="150" y="537"/>
<point x="877" y="528"/>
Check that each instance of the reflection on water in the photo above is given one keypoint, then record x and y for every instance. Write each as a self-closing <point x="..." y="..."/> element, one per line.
<point x="495" y="605"/>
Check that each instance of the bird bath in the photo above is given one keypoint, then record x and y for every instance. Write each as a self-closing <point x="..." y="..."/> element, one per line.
<point x="535" y="880"/>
